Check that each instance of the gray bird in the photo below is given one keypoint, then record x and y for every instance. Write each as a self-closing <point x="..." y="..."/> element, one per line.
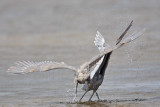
<point x="91" y="79"/>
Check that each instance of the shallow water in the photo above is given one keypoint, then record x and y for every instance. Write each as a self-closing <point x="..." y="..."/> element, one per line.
<point x="64" y="31"/>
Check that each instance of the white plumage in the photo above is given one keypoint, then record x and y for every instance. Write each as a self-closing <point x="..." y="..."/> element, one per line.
<point x="30" y="66"/>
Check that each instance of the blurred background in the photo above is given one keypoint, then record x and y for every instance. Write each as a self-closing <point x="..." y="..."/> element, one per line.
<point x="64" y="30"/>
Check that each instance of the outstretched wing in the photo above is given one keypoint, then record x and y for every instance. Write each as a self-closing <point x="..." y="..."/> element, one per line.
<point x="102" y="46"/>
<point x="100" y="42"/>
<point x="128" y="39"/>
<point x="29" y="66"/>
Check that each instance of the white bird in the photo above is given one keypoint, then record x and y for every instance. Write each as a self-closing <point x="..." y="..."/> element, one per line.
<point x="91" y="79"/>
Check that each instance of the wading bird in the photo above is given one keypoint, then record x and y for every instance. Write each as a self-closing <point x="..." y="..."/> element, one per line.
<point x="91" y="79"/>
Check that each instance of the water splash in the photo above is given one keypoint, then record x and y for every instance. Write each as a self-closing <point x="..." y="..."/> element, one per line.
<point x="69" y="94"/>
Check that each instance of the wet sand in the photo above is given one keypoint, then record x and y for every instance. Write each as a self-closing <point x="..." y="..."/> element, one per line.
<point x="64" y="31"/>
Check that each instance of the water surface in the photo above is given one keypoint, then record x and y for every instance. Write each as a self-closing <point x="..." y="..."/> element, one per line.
<point x="64" y="31"/>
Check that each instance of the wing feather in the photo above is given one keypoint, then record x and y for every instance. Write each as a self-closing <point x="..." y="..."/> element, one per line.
<point x="100" y="42"/>
<point x="102" y="46"/>
<point x="128" y="39"/>
<point x="30" y="66"/>
<point x="122" y="35"/>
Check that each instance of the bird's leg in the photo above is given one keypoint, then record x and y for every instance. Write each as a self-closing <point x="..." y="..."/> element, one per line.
<point x="76" y="85"/>
<point x="97" y="96"/>
<point x="83" y="96"/>
<point x="91" y="96"/>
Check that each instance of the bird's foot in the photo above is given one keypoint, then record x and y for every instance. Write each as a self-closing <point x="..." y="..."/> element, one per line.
<point x="74" y="100"/>
<point x="99" y="100"/>
<point x="79" y="100"/>
<point x="89" y="100"/>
